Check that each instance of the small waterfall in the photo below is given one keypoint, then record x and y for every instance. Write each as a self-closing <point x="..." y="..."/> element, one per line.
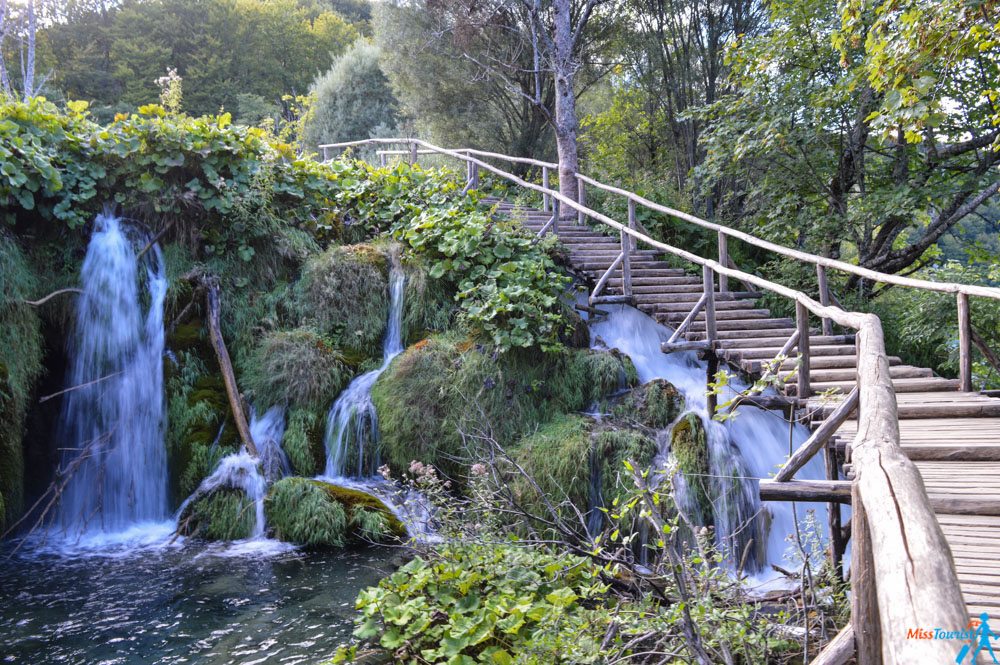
<point x="352" y="425"/>
<point x="237" y="471"/>
<point x="266" y="433"/>
<point x="742" y="449"/>
<point x="112" y="425"/>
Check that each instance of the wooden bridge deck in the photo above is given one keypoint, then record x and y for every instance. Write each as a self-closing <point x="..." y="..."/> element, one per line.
<point x="953" y="437"/>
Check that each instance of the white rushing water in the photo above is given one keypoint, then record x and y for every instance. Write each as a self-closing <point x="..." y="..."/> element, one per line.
<point x="238" y="471"/>
<point x="112" y="425"/>
<point x="352" y="425"/>
<point x="748" y="447"/>
<point x="266" y="432"/>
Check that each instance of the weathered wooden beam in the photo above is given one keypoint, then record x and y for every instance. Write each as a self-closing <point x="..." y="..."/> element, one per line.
<point x="699" y="345"/>
<point x="226" y="366"/>
<point x="723" y="240"/>
<point x="865" y="615"/>
<point x="708" y="287"/>
<point x="819" y="438"/>
<point x="581" y="197"/>
<point x="607" y="300"/>
<point x="546" y="201"/>
<point x="964" y="343"/>
<point x="824" y="296"/>
<point x="802" y="323"/>
<point x="806" y="490"/>
<point x="768" y="402"/>
<point x="837" y="543"/>
<point x="838" y="651"/>
<point x="686" y="323"/>
<point x="602" y="282"/>
<point x="627" y="246"/>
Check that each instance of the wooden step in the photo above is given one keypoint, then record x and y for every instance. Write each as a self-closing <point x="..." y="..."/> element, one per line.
<point x="751" y="326"/>
<point x="933" y="383"/>
<point x="850" y="374"/>
<point x="646" y="281"/>
<point x="816" y="362"/>
<point x="776" y="342"/>
<point x="721" y="314"/>
<point x="676" y="311"/>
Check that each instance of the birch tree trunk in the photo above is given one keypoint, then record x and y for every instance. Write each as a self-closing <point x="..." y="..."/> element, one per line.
<point x="566" y="122"/>
<point x="29" y="67"/>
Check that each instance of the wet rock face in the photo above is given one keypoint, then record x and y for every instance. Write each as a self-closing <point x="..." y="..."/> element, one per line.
<point x="655" y="405"/>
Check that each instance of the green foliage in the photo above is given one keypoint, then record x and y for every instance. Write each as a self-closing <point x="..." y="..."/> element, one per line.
<point x="344" y="293"/>
<point x="20" y="366"/>
<point x="313" y="513"/>
<point x="353" y="99"/>
<point x="429" y="305"/>
<point x="303" y="441"/>
<point x="298" y="367"/>
<point x="112" y="54"/>
<point x="487" y="603"/>
<point x="654" y="405"/>
<point x="223" y="514"/>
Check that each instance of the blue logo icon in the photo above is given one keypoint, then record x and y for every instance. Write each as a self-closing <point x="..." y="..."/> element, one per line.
<point x="982" y="636"/>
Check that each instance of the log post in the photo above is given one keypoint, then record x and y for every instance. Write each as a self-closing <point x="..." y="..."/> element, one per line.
<point x="226" y="366"/>
<point x="325" y="156"/>
<point x="964" y="344"/>
<point x="802" y="323"/>
<point x="413" y="154"/>
<point x="627" y="251"/>
<point x="383" y="159"/>
<point x="723" y="260"/>
<point x="708" y="288"/>
<point x="834" y="521"/>
<point x="546" y="201"/>
<point x="864" y="599"/>
<point x="581" y="198"/>
<point x="824" y="296"/>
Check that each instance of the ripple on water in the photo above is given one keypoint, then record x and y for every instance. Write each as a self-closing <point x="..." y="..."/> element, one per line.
<point x="183" y="604"/>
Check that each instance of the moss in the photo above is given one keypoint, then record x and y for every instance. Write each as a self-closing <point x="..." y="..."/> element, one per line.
<point x="555" y="456"/>
<point x="445" y="385"/>
<point x="655" y="405"/>
<point x="20" y="367"/>
<point x="614" y="447"/>
<point x="303" y="441"/>
<point x="344" y="293"/>
<point x="313" y="513"/>
<point x="298" y="367"/>
<point x="689" y="446"/>
<point x="429" y="305"/>
<point x="223" y="514"/>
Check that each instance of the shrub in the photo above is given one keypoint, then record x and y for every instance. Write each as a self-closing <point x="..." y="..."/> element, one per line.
<point x="689" y="446"/>
<point x="345" y="294"/>
<point x="303" y="441"/>
<point x="298" y="367"/>
<point x="654" y="405"/>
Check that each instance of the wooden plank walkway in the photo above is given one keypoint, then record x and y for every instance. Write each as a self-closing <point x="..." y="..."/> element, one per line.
<point x="953" y="437"/>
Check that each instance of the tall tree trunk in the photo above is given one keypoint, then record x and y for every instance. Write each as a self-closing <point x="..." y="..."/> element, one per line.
<point x="4" y="29"/>
<point x="566" y="123"/>
<point x="29" y="68"/>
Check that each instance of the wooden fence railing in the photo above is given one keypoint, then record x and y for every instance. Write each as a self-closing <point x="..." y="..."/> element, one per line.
<point x="902" y="572"/>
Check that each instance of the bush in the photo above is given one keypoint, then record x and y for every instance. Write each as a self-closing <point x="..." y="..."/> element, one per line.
<point x="345" y="294"/>
<point x="303" y="441"/>
<point x="296" y="367"/>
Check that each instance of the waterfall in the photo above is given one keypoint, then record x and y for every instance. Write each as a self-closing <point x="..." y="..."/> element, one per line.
<point x="237" y="471"/>
<point x="745" y="448"/>
<point x="112" y="424"/>
<point x="352" y="425"/>
<point x="266" y="433"/>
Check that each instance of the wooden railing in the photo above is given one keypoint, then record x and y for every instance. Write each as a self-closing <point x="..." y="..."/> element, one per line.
<point x="902" y="572"/>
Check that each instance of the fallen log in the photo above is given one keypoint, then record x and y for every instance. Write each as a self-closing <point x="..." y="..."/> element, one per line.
<point x="839" y="650"/>
<point x="226" y="365"/>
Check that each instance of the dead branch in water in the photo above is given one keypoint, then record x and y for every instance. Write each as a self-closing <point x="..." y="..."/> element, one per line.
<point x="46" y="398"/>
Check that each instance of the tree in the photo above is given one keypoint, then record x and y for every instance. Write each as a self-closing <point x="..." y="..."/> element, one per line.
<point x="352" y="99"/>
<point x="800" y="142"/>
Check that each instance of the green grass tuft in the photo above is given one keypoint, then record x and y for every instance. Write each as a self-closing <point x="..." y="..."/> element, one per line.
<point x="689" y="446"/>
<point x="303" y="441"/>
<point x="296" y="367"/>
<point x="224" y="514"/>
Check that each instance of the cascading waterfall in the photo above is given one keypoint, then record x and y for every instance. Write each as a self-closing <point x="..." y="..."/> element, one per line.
<point x="352" y="425"/>
<point x="747" y="447"/>
<point x="266" y="432"/>
<point x="112" y="426"/>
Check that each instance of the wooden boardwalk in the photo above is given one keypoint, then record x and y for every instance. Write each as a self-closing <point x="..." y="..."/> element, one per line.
<point x="953" y="437"/>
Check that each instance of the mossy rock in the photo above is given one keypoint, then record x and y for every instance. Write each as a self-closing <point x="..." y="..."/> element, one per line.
<point x="303" y="441"/>
<point x="297" y="367"/>
<point x="222" y="514"/>
<point x="313" y="513"/>
<point x="655" y="405"/>
<point x="429" y="304"/>
<point x="689" y="446"/>
<point x="344" y="294"/>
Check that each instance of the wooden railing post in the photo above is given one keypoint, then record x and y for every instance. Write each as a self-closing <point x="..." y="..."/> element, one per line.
<point x="802" y="324"/>
<point x="723" y="260"/>
<point x="581" y="198"/>
<point x="627" y="251"/>
<point x="546" y="201"/>
<point x="964" y="344"/>
<point x="864" y="599"/>
<point x="824" y="296"/>
<point x="708" y="293"/>
<point x="383" y="159"/>
<point x="325" y="156"/>
<point x="413" y="153"/>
